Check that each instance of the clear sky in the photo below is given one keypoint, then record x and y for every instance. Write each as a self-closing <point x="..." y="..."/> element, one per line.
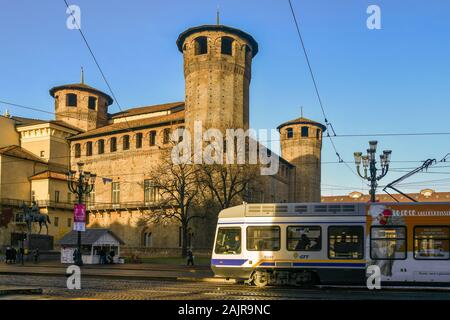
<point x="393" y="80"/>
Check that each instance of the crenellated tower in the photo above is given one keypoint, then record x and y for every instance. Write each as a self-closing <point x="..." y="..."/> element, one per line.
<point x="81" y="106"/>
<point x="217" y="70"/>
<point x="301" y="145"/>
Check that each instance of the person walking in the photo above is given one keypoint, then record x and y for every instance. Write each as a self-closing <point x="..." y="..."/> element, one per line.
<point x="36" y="255"/>
<point x="8" y="255"/>
<point x="190" y="258"/>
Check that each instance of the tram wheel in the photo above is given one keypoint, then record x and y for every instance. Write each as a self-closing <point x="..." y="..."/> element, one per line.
<point x="261" y="279"/>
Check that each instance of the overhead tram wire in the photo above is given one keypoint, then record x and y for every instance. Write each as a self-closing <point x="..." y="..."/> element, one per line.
<point x="327" y="123"/>
<point x="348" y="135"/>
<point x="97" y="63"/>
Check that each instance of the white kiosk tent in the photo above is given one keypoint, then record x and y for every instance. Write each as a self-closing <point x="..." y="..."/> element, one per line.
<point x="92" y="241"/>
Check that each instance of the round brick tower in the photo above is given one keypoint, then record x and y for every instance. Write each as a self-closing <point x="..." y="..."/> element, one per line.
<point x="301" y="145"/>
<point x="217" y="71"/>
<point x="81" y="106"/>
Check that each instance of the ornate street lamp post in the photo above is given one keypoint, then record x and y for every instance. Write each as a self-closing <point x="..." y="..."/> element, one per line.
<point x="81" y="185"/>
<point x="369" y="164"/>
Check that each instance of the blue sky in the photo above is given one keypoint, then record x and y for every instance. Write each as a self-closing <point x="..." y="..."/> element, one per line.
<point x="396" y="79"/>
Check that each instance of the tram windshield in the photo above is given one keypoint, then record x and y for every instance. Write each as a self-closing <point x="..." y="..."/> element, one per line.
<point x="228" y="241"/>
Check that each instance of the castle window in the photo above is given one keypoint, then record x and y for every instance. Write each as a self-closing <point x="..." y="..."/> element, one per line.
<point x="227" y="46"/>
<point x="318" y="134"/>
<point x="305" y="132"/>
<point x="89" y="148"/>
<point x="71" y="100"/>
<point x="289" y="133"/>
<point x="139" y="140"/>
<point x="115" y="192"/>
<point x="126" y="142"/>
<point x="92" y="103"/>
<point x="77" y="150"/>
<point x="151" y="192"/>
<point x="113" y="145"/>
<point x="101" y="146"/>
<point x="152" y="138"/>
<point x="201" y="45"/>
<point x="166" y="137"/>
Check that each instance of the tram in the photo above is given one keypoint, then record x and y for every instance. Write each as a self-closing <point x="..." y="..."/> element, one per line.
<point x="333" y="243"/>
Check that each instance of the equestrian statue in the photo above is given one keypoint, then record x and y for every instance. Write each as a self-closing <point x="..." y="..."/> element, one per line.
<point x="32" y="215"/>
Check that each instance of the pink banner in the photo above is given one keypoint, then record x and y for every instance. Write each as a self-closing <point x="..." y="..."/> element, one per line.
<point x="79" y="213"/>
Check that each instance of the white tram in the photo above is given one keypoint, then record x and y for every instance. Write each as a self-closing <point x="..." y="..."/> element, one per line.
<point x="333" y="243"/>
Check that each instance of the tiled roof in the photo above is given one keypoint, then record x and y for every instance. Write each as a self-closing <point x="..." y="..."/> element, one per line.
<point x="302" y="120"/>
<point x="24" y="122"/>
<point x="19" y="152"/>
<point x="148" y="109"/>
<point x="135" y="124"/>
<point x="88" y="237"/>
<point x="80" y="86"/>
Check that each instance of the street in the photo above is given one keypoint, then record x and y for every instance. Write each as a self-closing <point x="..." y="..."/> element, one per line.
<point x="54" y="287"/>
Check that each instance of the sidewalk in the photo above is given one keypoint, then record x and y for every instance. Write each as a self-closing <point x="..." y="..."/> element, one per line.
<point x="8" y="291"/>
<point x="133" y="271"/>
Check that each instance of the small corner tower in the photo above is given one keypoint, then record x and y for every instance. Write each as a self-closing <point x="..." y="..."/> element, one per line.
<point x="301" y="145"/>
<point x="81" y="106"/>
<point x="217" y="71"/>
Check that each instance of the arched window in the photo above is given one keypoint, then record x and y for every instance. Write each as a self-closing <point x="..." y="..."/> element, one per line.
<point x="113" y="144"/>
<point x="201" y="45"/>
<point x="92" y="103"/>
<point x="227" y="46"/>
<point x="89" y="148"/>
<point x="289" y="133"/>
<point x="101" y="146"/>
<point x="152" y="136"/>
<point x="139" y="140"/>
<point x="77" y="150"/>
<point x="71" y="100"/>
<point x="305" y="132"/>
<point x="126" y="142"/>
<point x="166" y="136"/>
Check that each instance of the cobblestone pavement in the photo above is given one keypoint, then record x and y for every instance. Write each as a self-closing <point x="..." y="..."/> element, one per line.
<point x="107" y="289"/>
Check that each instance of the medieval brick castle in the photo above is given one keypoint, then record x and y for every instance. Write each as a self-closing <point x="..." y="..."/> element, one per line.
<point x="121" y="148"/>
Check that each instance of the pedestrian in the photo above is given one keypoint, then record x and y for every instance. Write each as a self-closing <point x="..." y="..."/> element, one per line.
<point x="111" y="256"/>
<point x="190" y="258"/>
<point x="36" y="255"/>
<point x="102" y="256"/>
<point x="13" y="255"/>
<point x="8" y="255"/>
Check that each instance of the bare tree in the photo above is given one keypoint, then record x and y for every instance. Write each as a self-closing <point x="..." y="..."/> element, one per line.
<point x="228" y="183"/>
<point x="178" y="193"/>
